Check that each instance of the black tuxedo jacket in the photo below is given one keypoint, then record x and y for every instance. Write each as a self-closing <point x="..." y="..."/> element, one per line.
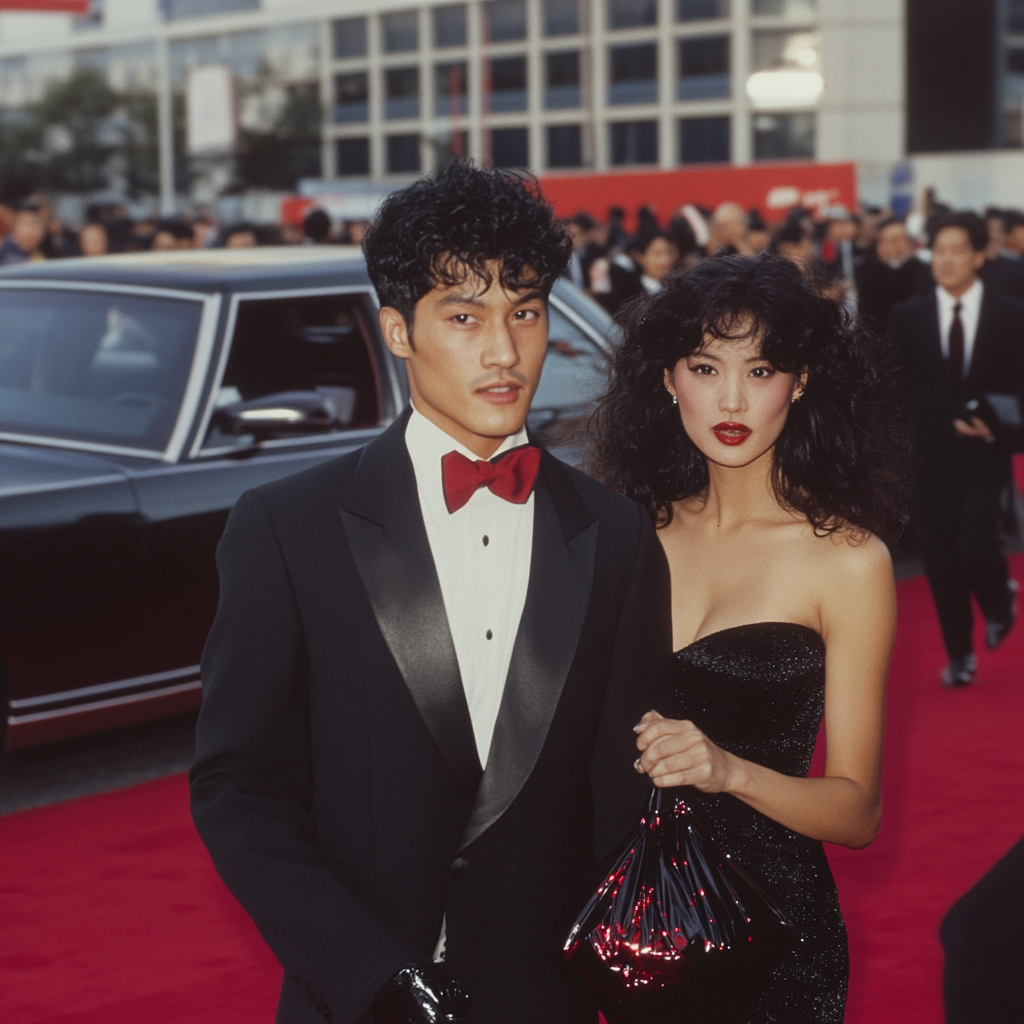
<point x="997" y="366"/>
<point x="880" y="287"/>
<point x="337" y="784"/>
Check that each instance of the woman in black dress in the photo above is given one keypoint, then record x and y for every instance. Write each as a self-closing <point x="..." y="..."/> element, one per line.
<point x="757" y="424"/>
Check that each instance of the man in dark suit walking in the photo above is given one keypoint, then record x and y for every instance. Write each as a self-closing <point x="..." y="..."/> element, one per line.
<point x="958" y="344"/>
<point x="429" y="655"/>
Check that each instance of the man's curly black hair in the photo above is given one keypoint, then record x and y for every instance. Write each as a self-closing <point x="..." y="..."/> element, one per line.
<point x="843" y="457"/>
<point x="442" y="230"/>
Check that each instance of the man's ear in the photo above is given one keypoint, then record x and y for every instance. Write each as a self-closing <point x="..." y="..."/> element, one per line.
<point x="396" y="332"/>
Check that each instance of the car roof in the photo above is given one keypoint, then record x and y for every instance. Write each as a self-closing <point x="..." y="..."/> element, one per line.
<point x="209" y="270"/>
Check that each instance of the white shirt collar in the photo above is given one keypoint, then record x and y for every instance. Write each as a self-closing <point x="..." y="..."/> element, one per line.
<point x="970" y="301"/>
<point x="428" y="443"/>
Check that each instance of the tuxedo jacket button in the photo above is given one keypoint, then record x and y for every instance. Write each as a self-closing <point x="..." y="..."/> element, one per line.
<point x="460" y="867"/>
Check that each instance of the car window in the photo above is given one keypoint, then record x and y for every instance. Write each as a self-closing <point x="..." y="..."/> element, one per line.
<point x="91" y="366"/>
<point x="575" y="368"/>
<point x="303" y="343"/>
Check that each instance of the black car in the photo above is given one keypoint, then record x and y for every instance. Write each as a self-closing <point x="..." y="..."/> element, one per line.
<point x="139" y="397"/>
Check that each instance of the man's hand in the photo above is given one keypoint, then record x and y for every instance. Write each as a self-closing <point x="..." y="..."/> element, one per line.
<point x="421" y="994"/>
<point x="975" y="428"/>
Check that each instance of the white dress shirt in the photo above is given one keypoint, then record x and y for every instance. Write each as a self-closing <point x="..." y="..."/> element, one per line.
<point x="482" y="555"/>
<point x="970" y="311"/>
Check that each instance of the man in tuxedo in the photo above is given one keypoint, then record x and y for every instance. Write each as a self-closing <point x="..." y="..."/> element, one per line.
<point x="959" y="343"/>
<point x="420" y="687"/>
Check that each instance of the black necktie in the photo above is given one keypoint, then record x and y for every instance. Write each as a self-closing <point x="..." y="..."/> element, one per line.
<point x="956" y="347"/>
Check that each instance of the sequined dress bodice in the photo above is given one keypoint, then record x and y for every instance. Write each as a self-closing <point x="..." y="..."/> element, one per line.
<point x="758" y="691"/>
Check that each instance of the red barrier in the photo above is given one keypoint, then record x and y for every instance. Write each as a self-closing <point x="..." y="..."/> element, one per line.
<point x="47" y="6"/>
<point x="773" y="189"/>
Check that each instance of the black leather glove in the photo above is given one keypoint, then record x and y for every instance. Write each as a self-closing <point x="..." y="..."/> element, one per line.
<point x="421" y="994"/>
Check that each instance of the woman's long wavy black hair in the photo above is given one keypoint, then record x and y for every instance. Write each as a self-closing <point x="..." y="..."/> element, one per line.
<point x="843" y="457"/>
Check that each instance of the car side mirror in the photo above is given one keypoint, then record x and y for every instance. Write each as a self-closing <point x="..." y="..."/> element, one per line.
<point x="280" y="415"/>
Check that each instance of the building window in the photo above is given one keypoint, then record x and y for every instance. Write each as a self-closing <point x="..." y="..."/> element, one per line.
<point x="564" y="146"/>
<point x="701" y="10"/>
<point x="562" y="79"/>
<point x="403" y="153"/>
<point x="784" y="137"/>
<point x="704" y="140"/>
<point x="177" y="10"/>
<point x="505" y="20"/>
<point x="401" y="92"/>
<point x="785" y="8"/>
<point x="634" y="142"/>
<point x="786" y="74"/>
<point x="401" y="32"/>
<point x="450" y="26"/>
<point x="561" y="17"/>
<point x="703" y="68"/>
<point x="634" y="74"/>
<point x="351" y="98"/>
<point x="510" y="147"/>
<point x="632" y="13"/>
<point x="508" y="84"/>
<point x="450" y="84"/>
<point x="349" y="38"/>
<point x="353" y="157"/>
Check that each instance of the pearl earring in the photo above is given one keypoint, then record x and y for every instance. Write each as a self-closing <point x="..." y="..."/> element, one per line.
<point x="675" y="400"/>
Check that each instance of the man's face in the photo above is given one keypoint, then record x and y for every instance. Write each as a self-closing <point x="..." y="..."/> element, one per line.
<point x="893" y="244"/>
<point x="474" y="356"/>
<point x="955" y="263"/>
<point x="29" y="231"/>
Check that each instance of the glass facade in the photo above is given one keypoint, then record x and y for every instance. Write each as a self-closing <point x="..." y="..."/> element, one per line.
<point x="401" y="93"/>
<point x="632" y="13"/>
<point x="403" y="154"/>
<point x="449" y="26"/>
<point x="705" y="140"/>
<point x="703" y="68"/>
<point x="352" y="98"/>
<point x="349" y="37"/>
<point x="505" y="20"/>
<point x="535" y="83"/>
<point x="565" y="148"/>
<point x="508" y="84"/>
<point x="634" y="74"/>
<point x="352" y="157"/>
<point x="562" y="79"/>
<point x="701" y="10"/>
<point x="510" y="147"/>
<point x="561" y="17"/>
<point x="784" y="137"/>
<point x="634" y="142"/>
<point x="401" y="32"/>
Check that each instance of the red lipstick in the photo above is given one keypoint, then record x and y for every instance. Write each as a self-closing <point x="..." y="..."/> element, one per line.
<point x="731" y="434"/>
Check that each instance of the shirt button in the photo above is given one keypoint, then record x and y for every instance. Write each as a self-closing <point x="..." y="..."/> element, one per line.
<point x="487" y="540"/>
<point x="490" y="635"/>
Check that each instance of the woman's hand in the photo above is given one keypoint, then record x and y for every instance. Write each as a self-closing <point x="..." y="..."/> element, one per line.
<point x="674" y="753"/>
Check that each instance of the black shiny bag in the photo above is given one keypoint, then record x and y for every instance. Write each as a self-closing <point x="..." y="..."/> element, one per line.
<point x="673" y="931"/>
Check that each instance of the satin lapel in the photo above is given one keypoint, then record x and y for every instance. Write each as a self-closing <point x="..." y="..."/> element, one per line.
<point x="561" y="576"/>
<point x="388" y="540"/>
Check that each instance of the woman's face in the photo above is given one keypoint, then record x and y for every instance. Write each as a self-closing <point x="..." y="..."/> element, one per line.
<point x="658" y="258"/>
<point x="732" y="403"/>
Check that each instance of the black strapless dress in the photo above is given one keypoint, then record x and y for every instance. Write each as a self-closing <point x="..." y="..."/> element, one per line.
<point x="758" y="691"/>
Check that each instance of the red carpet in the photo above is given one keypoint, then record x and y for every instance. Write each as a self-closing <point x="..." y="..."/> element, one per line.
<point x="112" y="913"/>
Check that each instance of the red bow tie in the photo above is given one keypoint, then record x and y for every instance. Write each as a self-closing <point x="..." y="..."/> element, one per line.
<point x="511" y="477"/>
